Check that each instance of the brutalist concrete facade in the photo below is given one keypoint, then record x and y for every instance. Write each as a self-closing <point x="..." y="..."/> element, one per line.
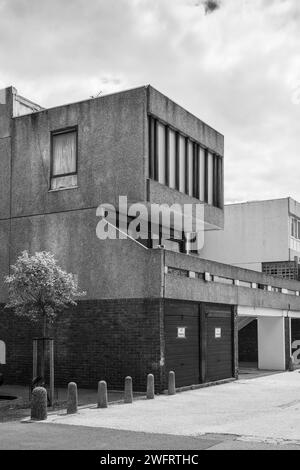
<point x="119" y="329"/>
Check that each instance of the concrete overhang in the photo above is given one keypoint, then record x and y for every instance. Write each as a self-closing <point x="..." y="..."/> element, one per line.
<point x="161" y="194"/>
<point x="293" y="314"/>
<point x="245" y="311"/>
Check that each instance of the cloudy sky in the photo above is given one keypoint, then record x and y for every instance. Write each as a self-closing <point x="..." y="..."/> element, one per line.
<point x="237" y="67"/>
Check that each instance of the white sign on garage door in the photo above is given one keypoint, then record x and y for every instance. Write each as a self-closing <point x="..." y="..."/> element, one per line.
<point x="2" y="353"/>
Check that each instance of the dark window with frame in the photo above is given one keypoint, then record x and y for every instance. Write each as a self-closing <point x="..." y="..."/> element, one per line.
<point x="217" y="181"/>
<point x="196" y="171"/>
<point x="64" y="145"/>
<point x="206" y="176"/>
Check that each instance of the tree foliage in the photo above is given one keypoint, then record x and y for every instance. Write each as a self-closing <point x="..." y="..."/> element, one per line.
<point x="39" y="288"/>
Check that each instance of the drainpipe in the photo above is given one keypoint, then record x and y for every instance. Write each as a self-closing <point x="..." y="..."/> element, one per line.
<point x="164" y="275"/>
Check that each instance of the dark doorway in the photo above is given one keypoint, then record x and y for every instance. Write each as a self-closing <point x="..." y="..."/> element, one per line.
<point x="248" y="345"/>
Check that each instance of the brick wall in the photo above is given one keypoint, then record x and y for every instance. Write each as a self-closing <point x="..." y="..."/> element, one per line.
<point x="97" y="340"/>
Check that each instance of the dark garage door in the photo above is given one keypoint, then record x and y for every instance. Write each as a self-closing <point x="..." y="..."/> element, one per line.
<point x="219" y="343"/>
<point x="182" y="336"/>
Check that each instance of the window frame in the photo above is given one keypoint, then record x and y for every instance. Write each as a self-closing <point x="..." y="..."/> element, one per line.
<point x="65" y="130"/>
<point x="206" y="176"/>
<point x="195" y="186"/>
<point x="217" y="180"/>
<point x="196" y="164"/>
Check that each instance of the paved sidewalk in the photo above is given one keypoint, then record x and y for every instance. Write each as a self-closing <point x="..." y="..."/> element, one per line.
<point x="265" y="409"/>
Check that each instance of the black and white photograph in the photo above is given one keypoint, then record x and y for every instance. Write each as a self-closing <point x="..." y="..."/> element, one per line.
<point x="149" y="229"/>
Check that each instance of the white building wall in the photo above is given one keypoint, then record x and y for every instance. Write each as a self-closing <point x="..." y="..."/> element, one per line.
<point x="254" y="232"/>
<point x="271" y="343"/>
<point x="271" y="337"/>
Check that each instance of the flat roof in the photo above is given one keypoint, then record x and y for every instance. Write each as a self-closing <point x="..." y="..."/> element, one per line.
<point x="257" y="201"/>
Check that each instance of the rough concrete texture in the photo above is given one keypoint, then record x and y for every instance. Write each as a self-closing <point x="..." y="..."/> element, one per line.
<point x="72" y="401"/>
<point x="102" y="394"/>
<point x="264" y="409"/>
<point x="39" y="404"/>
<point x="181" y="287"/>
<point x="128" y="394"/>
<point x="150" y="386"/>
<point x="161" y="106"/>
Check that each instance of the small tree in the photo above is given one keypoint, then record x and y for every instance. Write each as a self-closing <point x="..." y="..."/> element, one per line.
<point x="40" y="290"/>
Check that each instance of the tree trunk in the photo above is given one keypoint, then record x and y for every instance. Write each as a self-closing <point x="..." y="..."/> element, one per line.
<point x="44" y="325"/>
<point x="43" y="354"/>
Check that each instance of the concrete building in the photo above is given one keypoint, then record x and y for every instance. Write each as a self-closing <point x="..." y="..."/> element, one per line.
<point x="263" y="236"/>
<point x="259" y="235"/>
<point x="152" y="306"/>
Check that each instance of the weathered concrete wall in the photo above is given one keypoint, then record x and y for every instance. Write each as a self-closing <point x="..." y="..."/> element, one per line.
<point x="4" y="256"/>
<point x="294" y="244"/>
<point x="171" y="113"/>
<point x="111" y="134"/>
<point x="112" y="161"/>
<point x="160" y="194"/>
<point x="197" y="290"/>
<point x="180" y="287"/>
<point x="5" y="172"/>
<point x="254" y="232"/>
<point x="165" y="109"/>
<point x="105" y="268"/>
<point x="6" y="110"/>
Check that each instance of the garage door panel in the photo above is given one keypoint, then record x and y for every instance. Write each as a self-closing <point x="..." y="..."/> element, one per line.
<point x="182" y="354"/>
<point x="219" y="341"/>
<point x="200" y="348"/>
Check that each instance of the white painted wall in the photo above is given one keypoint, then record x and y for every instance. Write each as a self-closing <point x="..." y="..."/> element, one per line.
<point x="2" y="353"/>
<point x="246" y="311"/>
<point x="254" y="232"/>
<point x="270" y="334"/>
<point x="271" y="343"/>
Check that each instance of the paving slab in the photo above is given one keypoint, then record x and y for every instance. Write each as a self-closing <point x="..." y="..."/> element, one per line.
<point x="265" y="408"/>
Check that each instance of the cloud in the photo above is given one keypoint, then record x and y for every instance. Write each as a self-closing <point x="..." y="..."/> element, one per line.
<point x="238" y="69"/>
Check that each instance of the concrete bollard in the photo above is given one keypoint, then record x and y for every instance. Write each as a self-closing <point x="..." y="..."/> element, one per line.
<point x="72" y="400"/>
<point x="102" y="394"/>
<point x="150" y="386"/>
<point x="171" y="384"/>
<point x="39" y="404"/>
<point x="291" y="364"/>
<point x="128" y="395"/>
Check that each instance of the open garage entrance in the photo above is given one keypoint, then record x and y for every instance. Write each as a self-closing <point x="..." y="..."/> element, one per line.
<point x="262" y="340"/>
<point x="248" y="343"/>
<point x="295" y="340"/>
